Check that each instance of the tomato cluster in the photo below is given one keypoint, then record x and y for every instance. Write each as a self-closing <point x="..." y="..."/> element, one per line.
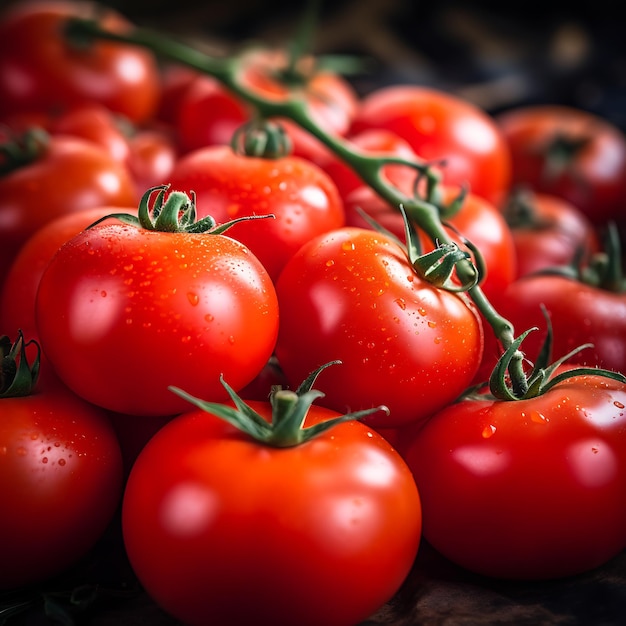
<point x="176" y="274"/>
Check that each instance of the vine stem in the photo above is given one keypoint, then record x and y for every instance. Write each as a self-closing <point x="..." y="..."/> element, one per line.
<point x="228" y="71"/>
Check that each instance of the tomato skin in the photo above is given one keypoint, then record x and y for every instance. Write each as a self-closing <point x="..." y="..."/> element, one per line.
<point x="438" y="125"/>
<point x="533" y="489"/>
<point x="594" y="180"/>
<point x="561" y="231"/>
<point x="61" y="482"/>
<point x="352" y="295"/>
<point x="321" y="533"/>
<point x="478" y="220"/>
<point x="301" y="196"/>
<point x="123" y="312"/>
<point x="72" y="174"/>
<point x="40" y="70"/>
<point x="18" y="294"/>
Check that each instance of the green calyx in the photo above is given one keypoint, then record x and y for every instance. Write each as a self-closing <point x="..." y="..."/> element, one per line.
<point x="289" y="410"/>
<point x="177" y="214"/>
<point x="18" y="377"/>
<point x="20" y="151"/>
<point x="263" y="139"/>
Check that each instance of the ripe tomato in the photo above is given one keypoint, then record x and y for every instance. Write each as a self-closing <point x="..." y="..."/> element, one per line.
<point x="228" y="185"/>
<point x="352" y="295"/>
<point x="18" y="294"/>
<point x="477" y="220"/>
<point x="41" y="69"/>
<point x="60" y="479"/>
<point x="440" y="126"/>
<point x="526" y="489"/>
<point x="124" y="311"/>
<point x="208" y="114"/>
<point x="571" y="154"/>
<point x="324" y="532"/>
<point x="65" y="174"/>
<point x="547" y="232"/>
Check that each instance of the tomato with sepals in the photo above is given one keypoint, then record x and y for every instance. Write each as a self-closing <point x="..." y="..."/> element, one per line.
<point x="353" y="295"/>
<point x="126" y="308"/>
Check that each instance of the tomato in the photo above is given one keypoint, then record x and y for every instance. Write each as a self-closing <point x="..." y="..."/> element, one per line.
<point x="42" y="70"/>
<point x="123" y="311"/>
<point x="60" y="479"/>
<point x="548" y="232"/>
<point x="323" y="532"/>
<point x="65" y="174"/>
<point x="18" y="294"/>
<point x="579" y="314"/>
<point x="208" y="113"/>
<point x="527" y="489"/>
<point x="569" y="153"/>
<point x="477" y="220"/>
<point x="352" y="295"/>
<point x="228" y="185"/>
<point x="441" y="126"/>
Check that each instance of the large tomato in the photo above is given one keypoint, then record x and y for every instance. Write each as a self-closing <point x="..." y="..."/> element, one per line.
<point x="223" y="529"/>
<point x="440" y="126"/>
<point x="569" y="153"/>
<point x="228" y="185"/>
<point x="41" y="69"/>
<point x="64" y="174"/>
<point x="526" y="489"/>
<point x="125" y="310"/>
<point x="60" y="479"/>
<point x="353" y="295"/>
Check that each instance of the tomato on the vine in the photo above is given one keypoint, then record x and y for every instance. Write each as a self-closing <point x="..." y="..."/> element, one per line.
<point x="228" y="185"/>
<point x="126" y="308"/>
<point x="442" y="127"/>
<point x="526" y="489"/>
<point x="569" y="153"/>
<point x="60" y="479"/>
<point x="223" y="528"/>
<point x="43" y="69"/>
<point x="353" y="295"/>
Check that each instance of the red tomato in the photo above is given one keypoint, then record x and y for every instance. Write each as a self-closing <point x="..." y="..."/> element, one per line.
<point x="301" y="196"/>
<point x="124" y="311"/>
<point x="18" y="294"/>
<point x="579" y="314"/>
<point x="208" y="114"/>
<point x="569" y="153"/>
<point x="41" y="69"/>
<point x="477" y="220"/>
<point x="439" y="125"/>
<point x="352" y="295"/>
<point x="68" y="174"/>
<point x="527" y="489"/>
<point x="548" y="232"/>
<point x="60" y="479"/>
<point x="321" y="533"/>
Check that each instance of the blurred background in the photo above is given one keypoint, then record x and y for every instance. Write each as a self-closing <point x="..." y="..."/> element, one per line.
<point x="496" y="54"/>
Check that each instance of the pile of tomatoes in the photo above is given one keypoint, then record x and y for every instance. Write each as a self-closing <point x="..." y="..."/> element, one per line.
<point x="224" y="337"/>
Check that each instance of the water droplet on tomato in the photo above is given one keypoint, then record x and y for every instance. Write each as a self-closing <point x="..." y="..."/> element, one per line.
<point x="488" y="431"/>
<point x="62" y="462"/>
<point x="347" y="246"/>
<point x="45" y="459"/>
<point x="538" y="418"/>
<point x="432" y="324"/>
<point x="421" y="311"/>
<point x="193" y="298"/>
<point x="330" y="263"/>
<point x="618" y="404"/>
<point x="401" y="302"/>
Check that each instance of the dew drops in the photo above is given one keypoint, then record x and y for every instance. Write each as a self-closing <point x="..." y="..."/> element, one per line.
<point x="347" y="246"/>
<point x="209" y="318"/>
<point x="488" y="431"/>
<point x="432" y="324"/>
<point x="538" y="418"/>
<point x="103" y="294"/>
<point x="421" y="311"/>
<point x="231" y="340"/>
<point x="330" y="263"/>
<point x="594" y="450"/>
<point x="401" y="302"/>
<point x="618" y="404"/>
<point x="44" y="460"/>
<point x="193" y="298"/>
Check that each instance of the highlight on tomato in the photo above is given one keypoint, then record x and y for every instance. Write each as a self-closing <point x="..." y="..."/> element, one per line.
<point x="60" y="471"/>
<point x="310" y="514"/>
<point x="132" y="305"/>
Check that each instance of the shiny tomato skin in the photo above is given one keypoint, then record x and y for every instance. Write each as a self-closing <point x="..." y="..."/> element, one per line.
<point x="321" y="533"/>
<point x="72" y="174"/>
<point x="351" y="295"/>
<point x="18" y="294"/>
<point x="301" y="196"/>
<point x="41" y="71"/>
<point x="478" y="221"/>
<point x="530" y="489"/>
<point x="593" y="179"/>
<point x="441" y="126"/>
<point x="124" y="312"/>
<point x="61" y="482"/>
